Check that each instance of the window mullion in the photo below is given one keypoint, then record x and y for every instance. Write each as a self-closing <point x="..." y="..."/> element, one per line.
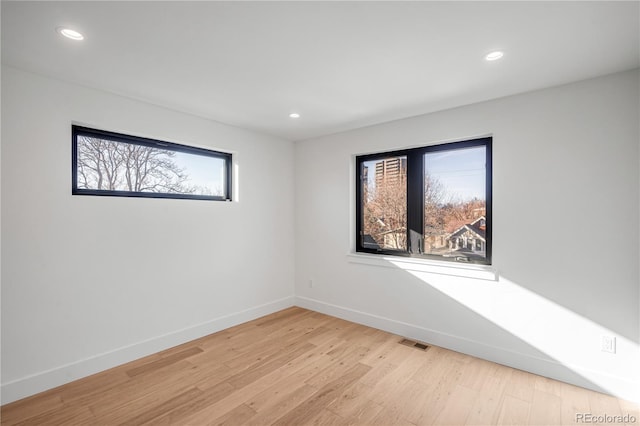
<point x="415" y="209"/>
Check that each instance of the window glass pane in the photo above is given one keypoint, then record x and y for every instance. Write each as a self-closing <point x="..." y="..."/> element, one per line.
<point x="384" y="203"/>
<point x="108" y="165"/>
<point x="455" y="206"/>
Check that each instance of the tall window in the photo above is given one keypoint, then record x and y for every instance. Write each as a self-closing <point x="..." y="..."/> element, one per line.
<point x="107" y="163"/>
<point x="431" y="202"/>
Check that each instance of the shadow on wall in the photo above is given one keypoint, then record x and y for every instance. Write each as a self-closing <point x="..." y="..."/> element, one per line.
<point x="613" y="303"/>
<point x="525" y="330"/>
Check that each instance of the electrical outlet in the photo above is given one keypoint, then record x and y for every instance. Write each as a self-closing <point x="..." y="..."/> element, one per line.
<point x="609" y="344"/>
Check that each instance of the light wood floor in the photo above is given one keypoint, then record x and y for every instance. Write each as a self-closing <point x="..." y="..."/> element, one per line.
<point x="300" y="367"/>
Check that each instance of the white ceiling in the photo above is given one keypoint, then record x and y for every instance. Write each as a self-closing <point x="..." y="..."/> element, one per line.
<point x="341" y="65"/>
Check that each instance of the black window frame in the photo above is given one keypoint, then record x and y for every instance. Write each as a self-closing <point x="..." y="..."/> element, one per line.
<point x="77" y="131"/>
<point x="415" y="199"/>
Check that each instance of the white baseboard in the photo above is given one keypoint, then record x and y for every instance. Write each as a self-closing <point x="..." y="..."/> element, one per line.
<point x="30" y="385"/>
<point x="619" y="387"/>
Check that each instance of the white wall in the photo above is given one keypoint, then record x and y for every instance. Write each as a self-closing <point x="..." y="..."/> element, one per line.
<point x="91" y="282"/>
<point x="565" y="240"/>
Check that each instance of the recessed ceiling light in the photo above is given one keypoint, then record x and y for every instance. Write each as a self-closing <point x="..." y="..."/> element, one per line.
<point x="294" y="115"/>
<point x="494" y="56"/>
<point x="69" y="33"/>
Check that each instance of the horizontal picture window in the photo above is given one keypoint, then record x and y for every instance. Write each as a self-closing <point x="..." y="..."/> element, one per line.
<point x="113" y="164"/>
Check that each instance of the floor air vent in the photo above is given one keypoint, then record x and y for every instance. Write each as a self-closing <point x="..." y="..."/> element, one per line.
<point x="414" y="344"/>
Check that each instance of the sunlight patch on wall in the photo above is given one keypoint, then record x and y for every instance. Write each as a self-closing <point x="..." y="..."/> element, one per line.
<point x="570" y="339"/>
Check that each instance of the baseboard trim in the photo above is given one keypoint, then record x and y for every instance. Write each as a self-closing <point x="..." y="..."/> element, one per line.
<point x="30" y="385"/>
<point x="617" y="386"/>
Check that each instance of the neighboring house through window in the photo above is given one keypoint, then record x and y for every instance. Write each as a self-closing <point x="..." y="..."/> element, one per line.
<point x="432" y="202"/>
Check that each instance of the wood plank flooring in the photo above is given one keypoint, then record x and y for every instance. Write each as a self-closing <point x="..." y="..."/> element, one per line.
<point x="298" y="367"/>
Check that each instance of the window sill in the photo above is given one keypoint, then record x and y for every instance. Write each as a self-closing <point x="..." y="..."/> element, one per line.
<point x="478" y="272"/>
